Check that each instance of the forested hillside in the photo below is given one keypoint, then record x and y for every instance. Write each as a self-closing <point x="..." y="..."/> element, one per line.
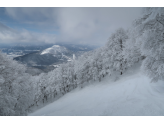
<point x="20" y="92"/>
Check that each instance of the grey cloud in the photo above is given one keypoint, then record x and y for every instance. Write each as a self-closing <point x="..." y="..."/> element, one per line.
<point x="38" y="16"/>
<point x="94" y="25"/>
<point x="86" y="25"/>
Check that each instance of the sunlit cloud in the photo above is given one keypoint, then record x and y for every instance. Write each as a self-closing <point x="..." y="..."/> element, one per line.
<point x="8" y="35"/>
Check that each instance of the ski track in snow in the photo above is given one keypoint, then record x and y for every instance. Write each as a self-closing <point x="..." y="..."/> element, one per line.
<point x="132" y="95"/>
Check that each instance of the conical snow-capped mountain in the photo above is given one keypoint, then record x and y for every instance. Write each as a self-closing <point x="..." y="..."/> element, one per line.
<point x="55" y="49"/>
<point x="51" y="57"/>
<point x="54" y="55"/>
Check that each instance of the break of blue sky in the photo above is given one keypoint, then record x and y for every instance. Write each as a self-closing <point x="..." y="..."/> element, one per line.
<point x="55" y="24"/>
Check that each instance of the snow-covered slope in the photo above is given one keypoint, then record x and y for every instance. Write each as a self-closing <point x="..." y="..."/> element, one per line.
<point x="54" y="50"/>
<point x="131" y="94"/>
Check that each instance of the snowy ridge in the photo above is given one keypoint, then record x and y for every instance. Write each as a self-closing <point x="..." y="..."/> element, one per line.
<point x="54" y="50"/>
<point x="132" y="94"/>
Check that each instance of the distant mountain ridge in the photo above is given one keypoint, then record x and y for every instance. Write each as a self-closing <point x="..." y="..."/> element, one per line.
<point x="33" y="59"/>
<point x="21" y="49"/>
<point x="52" y="56"/>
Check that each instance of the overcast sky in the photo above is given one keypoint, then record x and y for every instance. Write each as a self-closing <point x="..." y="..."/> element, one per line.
<point x="49" y="25"/>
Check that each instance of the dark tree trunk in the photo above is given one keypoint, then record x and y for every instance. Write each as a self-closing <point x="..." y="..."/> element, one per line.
<point x="121" y="56"/>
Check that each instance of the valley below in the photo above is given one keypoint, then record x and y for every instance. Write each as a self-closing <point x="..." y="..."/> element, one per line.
<point x="44" y="58"/>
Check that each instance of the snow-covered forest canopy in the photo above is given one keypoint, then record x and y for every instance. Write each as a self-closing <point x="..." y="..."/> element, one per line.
<point x="21" y="93"/>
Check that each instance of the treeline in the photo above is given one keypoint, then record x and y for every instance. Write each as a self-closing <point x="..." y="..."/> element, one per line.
<point x="144" y="41"/>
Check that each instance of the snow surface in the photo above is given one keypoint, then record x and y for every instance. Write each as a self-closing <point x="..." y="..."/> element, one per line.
<point x="54" y="49"/>
<point x="131" y="94"/>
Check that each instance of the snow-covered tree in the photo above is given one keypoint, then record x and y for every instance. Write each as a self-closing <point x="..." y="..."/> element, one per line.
<point x="151" y="30"/>
<point x="16" y="87"/>
<point x="116" y="45"/>
<point x="132" y="51"/>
